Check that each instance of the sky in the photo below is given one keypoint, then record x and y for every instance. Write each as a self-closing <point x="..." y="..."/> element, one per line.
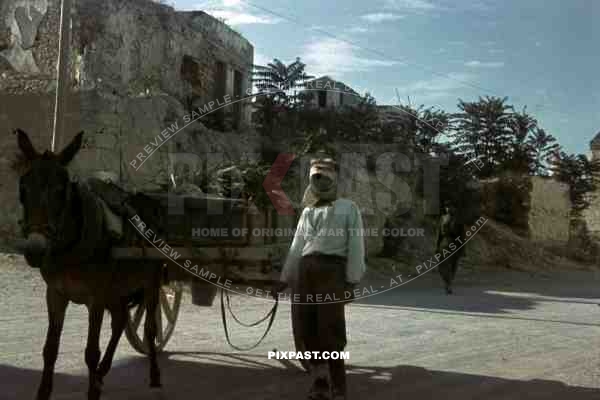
<point x="543" y="54"/>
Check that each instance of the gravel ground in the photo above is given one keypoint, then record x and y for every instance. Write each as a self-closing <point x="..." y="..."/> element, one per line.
<point x="504" y="335"/>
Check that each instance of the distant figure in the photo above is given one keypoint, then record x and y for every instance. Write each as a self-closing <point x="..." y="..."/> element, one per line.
<point x="449" y="230"/>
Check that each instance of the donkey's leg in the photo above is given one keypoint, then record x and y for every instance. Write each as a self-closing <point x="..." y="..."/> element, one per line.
<point x="150" y="329"/>
<point x="118" y="321"/>
<point x="57" y="305"/>
<point x="92" y="350"/>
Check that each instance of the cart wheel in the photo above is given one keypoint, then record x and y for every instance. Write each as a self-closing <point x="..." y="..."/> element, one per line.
<point x="300" y="346"/>
<point x="166" y="317"/>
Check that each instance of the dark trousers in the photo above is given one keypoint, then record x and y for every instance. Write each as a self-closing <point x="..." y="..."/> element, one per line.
<point x="323" y="324"/>
<point x="448" y="266"/>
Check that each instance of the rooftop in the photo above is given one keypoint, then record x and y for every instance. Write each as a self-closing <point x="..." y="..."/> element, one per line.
<point x="595" y="143"/>
<point x="327" y="82"/>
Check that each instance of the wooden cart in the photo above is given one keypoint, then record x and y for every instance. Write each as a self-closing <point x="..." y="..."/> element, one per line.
<point x="253" y="259"/>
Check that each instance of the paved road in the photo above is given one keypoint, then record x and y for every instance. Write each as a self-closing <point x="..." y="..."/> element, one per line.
<point x="502" y="336"/>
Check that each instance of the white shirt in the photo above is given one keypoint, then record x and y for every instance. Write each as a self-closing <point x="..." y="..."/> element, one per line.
<point x="334" y="230"/>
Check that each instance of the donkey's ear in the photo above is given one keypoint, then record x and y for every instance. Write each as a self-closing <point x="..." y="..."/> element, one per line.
<point x="71" y="150"/>
<point x="25" y="145"/>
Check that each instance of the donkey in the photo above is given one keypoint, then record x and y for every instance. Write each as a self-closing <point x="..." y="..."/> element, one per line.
<point x="67" y="239"/>
<point x="449" y="230"/>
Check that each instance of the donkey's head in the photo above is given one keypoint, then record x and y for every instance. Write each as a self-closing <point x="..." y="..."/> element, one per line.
<point x="45" y="192"/>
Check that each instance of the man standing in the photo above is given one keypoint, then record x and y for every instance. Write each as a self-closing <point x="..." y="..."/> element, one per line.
<point x="326" y="259"/>
<point x="449" y="231"/>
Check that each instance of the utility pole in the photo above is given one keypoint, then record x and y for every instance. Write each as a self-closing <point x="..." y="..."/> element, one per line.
<point x="62" y="70"/>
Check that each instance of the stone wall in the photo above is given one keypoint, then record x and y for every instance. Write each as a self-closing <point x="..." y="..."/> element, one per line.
<point x="127" y="48"/>
<point x="536" y="207"/>
<point x="28" y="45"/>
<point x="32" y="113"/>
<point x="592" y="216"/>
<point x="116" y="130"/>
<point x="137" y="47"/>
<point x="550" y="210"/>
<point x="379" y="196"/>
<point x="126" y="87"/>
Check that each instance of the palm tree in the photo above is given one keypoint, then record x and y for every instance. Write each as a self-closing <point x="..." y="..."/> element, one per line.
<point x="278" y="80"/>
<point x="482" y="131"/>
<point x="520" y="154"/>
<point x="543" y="146"/>
<point x="580" y="173"/>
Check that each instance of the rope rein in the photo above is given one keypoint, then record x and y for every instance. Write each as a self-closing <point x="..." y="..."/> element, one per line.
<point x="271" y="314"/>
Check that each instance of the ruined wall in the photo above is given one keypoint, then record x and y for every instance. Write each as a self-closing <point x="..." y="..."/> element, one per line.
<point x="550" y="210"/>
<point x="592" y="216"/>
<point x="378" y="196"/>
<point x="535" y="207"/>
<point x="126" y="88"/>
<point x="128" y="48"/>
<point x="28" y="45"/>
<point x="137" y="47"/>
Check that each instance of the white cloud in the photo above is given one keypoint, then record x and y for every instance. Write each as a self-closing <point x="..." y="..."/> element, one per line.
<point x="235" y="12"/>
<point x="381" y="17"/>
<point x="358" y="29"/>
<point x="484" y="64"/>
<point x="431" y="6"/>
<point x="261" y="59"/>
<point x="435" y="88"/>
<point x="237" y="18"/>
<point x="411" y="4"/>
<point x="334" y="57"/>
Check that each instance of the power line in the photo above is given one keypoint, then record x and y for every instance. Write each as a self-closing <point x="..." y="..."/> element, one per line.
<point x="368" y="49"/>
<point x="375" y="51"/>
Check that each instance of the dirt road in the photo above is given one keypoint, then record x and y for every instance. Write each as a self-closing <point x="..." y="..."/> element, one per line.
<point x="501" y="336"/>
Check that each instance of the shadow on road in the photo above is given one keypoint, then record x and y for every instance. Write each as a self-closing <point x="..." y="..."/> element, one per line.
<point x="237" y="376"/>
<point x="497" y="293"/>
<point x="22" y="384"/>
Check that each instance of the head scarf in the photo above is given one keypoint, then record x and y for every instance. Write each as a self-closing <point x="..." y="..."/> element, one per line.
<point x="322" y="188"/>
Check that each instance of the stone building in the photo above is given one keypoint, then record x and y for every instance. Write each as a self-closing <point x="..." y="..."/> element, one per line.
<point x="325" y="92"/>
<point x="129" y="48"/>
<point x="136" y="69"/>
